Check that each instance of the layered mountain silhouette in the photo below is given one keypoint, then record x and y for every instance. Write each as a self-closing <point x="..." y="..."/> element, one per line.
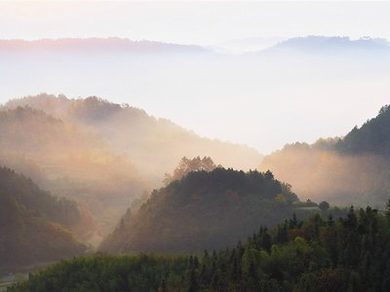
<point x="153" y="145"/>
<point x="95" y="45"/>
<point x="101" y="154"/>
<point x="69" y="161"/>
<point x="304" y="44"/>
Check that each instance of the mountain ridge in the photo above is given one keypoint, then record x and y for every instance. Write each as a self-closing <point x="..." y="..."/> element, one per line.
<point x="134" y="132"/>
<point x="69" y="161"/>
<point x="203" y="209"/>
<point x="313" y="44"/>
<point x="348" y="170"/>
<point x="96" y="45"/>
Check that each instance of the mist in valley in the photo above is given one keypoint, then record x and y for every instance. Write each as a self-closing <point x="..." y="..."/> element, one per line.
<point x="169" y="147"/>
<point x="278" y="91"/>
<point x="106" y="154"/>
<point x="319" y="174"/>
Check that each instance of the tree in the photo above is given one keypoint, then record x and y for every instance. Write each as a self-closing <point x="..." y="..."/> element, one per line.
<point x="189" y="165"/>
<point x="266" y="241"/>
<point x="293" y="223"/>
<point x="298" y="264"/>
<point x="386" y="277"/>
<point x="324" y="206"/>
<point x="388" y="210"/>
<point x="193" y="282"/>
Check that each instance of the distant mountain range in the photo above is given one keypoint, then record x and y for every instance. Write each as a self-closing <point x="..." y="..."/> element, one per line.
<point x="246" y="45"/>
<point x="323" y="44"/>
<point x="96" y="45"/>
<point x="307" y="44"/>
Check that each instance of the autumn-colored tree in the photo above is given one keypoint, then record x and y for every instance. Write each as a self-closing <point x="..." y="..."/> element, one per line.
<point x="187" y="165"/>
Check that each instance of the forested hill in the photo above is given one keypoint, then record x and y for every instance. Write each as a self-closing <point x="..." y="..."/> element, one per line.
<point x="318" y="254"/>
<point x="153" y="145"/>
<point x="204" y="209"/>
<point x="34" y="225"/>
<point x="70" y="161"/>
<point x="353" y="169"/>
<point x="373" y="137"/>
<point x="27" y="194"/>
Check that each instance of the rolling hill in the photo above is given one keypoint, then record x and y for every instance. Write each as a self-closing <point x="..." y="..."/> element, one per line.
<point x="153" y="145"/>
<point x="318" y="254"/>
<point x="204" y="209"/>
<point x="69" y="161"/>
<point x="101" y="154"/>
<point x="349" y="170"/>
<point x="35" y="226"/>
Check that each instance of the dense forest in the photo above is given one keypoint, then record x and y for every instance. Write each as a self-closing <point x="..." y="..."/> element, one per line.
<point x="205" y="209"/>
<point x="318" y="254"/>
<point x="25" y="192"/>
<point x="353" y="169"/>
<point x="35" y="226"/>
<point x="372" y="137"/>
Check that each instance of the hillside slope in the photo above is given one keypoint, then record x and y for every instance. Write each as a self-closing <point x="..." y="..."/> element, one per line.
<point x="318" y="254"/>
<point x="153" y="145"/>
<point x="354" y="169"/>
<point x="203" y="210"/>
<point x="69" y="161"/>
<point x="34" y="226"/>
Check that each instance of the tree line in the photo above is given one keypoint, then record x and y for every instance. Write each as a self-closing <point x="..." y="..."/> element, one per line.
<point x="350" y="253"/>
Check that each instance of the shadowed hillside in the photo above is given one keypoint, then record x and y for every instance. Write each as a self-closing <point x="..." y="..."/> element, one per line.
<point x="204" y="209"/>
<point x="69" y="161"/>
<point x="35" y="226"/>
<point x="318" y="254"/>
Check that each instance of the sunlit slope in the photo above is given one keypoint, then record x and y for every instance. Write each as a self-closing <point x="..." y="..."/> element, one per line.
<point x="352" y="170"/>
<point x="153" y="145"/>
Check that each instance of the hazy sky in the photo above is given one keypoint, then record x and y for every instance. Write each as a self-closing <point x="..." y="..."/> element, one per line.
<point x="263" y="104"/>
<point x="192" y="22"/>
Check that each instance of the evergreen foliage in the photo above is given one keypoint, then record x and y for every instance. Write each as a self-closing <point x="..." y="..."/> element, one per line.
<point x="204" y="209"/>
<point x="34" y="225"/>
<point x="347" y="254"/>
